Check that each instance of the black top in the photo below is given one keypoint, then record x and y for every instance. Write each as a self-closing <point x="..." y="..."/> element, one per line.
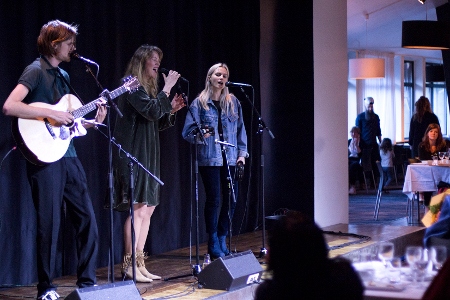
<point x="339" y="281"/>
<point x="370" y="129"/>
<point x="426" y="155"/>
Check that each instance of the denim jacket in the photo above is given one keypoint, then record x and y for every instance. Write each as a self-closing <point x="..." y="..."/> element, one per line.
<point x="233" y="132"/>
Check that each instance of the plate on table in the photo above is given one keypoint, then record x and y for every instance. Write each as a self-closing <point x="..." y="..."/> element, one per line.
<point x="428" y="277"/>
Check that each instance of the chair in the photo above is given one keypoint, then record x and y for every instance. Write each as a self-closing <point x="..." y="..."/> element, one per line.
<point x="399" y="160"/>
<point x="366" y="163"/>
<point x="381" y="187"/>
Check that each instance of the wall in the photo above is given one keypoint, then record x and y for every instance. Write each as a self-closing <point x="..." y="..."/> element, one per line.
<point x="330" y="112"/>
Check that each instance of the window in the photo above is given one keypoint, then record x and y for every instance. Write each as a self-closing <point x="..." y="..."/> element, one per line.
<point x="408" y="106"/>
<point x="436" y="92"/>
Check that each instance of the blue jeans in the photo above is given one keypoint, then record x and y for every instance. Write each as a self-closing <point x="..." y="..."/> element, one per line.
<point x="388" y="173"/>
<point x="217" y="191"/>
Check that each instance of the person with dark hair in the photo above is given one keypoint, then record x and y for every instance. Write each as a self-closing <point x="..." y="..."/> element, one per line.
<point x="64" y="179"/>
<point x="423" y="116"/>
<point x="432" y="143"/>
<point x="387" y="160"/>
<point x="145" y="113"/>
<point x="216" y="108"/>
<point x="369" y="124"/>
<point x="300" y="267"/>
<point x="354" y="158"/>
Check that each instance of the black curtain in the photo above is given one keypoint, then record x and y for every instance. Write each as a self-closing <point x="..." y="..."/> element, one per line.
<point x="193" y="35"/>
<point x="443" y="14"/>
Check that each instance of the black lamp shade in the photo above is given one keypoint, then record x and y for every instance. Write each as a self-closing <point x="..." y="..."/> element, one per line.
<point x="432" y="35"/>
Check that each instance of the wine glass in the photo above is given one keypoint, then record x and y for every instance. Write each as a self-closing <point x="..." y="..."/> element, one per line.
<point x="386" y="252"/>
<point x="413" y="254"/>
<point x="438" y="256"/>
<point x="441" y="157"/>
<point x="422" y="265"/>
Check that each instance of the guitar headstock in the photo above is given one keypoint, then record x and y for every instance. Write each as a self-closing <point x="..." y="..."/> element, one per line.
<point x="131" y="84"/>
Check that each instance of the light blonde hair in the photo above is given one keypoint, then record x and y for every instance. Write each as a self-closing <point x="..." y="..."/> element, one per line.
<point x="225" y="97"/>
<point x="136" y="67"/>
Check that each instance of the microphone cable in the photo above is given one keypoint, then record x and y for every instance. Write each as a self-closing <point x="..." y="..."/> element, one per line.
<point x="6" y="155"/>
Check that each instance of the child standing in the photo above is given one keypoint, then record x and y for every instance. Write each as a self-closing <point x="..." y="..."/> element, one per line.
<point x="387" y="160"/>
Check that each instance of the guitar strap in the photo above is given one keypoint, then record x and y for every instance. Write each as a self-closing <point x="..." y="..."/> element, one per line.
<point x="72" y="90"/>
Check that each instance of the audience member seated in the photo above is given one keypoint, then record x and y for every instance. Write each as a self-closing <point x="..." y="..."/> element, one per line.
<point x="439" y="289"/>
<point x="423" y="116"/>
<point x="441" y="228"/>
<point x="301" y="269"/>
<point x="432" y="143"/>
<point x="354" y="157"/>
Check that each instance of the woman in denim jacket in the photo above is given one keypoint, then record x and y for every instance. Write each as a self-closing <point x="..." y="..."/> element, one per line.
<point x="217" y="110"/>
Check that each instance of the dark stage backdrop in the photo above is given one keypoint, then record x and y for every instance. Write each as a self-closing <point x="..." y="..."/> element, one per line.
<point x="193" y="36"/>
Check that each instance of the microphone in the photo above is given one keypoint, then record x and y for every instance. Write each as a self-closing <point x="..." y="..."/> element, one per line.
<point x="76" y="56"/>
<point x="224" y="143"/>
<point x="229" y="83"/>
<point x="165" y="71"/>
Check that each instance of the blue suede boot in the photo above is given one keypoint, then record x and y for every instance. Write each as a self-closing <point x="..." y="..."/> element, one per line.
<point x="223" y="244"/>
<point x="214" y="246"/>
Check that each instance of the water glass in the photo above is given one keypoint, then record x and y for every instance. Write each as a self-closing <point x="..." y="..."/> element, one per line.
<point x="422" y="265"/>
<point x="434" y="157"/>
<point x="394" y="270"/>
<point x="413" y="254"/>
<point x="438" y="256"/>
<point x="441" y="156"/>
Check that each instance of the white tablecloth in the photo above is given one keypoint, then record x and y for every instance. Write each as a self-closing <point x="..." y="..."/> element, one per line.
<point x="424" y="178"/>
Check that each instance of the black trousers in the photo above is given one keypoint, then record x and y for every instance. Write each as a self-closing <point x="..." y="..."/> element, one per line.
<point x="63" y="180"/>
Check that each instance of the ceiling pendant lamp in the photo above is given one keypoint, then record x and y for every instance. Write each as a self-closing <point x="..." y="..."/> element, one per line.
<point x="428" y="35"/>
<point x="365" y="68"/>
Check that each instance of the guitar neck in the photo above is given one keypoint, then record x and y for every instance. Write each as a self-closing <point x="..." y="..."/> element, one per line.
<point x="85" y="109"/>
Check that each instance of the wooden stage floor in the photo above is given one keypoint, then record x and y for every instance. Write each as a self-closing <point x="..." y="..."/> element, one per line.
<point x="177" y="262"/>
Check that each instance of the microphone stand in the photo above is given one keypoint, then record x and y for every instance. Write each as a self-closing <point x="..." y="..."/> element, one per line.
<point x="231" y="194"/>
<point x="105" y="94"/>
<point x="197" y="135"/>
<point x="261" y="127"/>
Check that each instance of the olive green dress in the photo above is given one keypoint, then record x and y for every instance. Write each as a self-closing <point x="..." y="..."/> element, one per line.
<point x="138" y="133"/>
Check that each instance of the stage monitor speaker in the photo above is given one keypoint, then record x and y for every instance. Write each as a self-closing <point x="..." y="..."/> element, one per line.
<point x="231" y="272"/>
<point x="120" y="290"/>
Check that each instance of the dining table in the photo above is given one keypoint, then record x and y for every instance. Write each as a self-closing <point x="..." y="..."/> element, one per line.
<point x="378" y="287"/>
<point x="424" y="176"/>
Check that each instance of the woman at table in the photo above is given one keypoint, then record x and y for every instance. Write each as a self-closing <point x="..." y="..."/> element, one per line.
<point x="422" y="117"/>
<point x="432" y="143"/>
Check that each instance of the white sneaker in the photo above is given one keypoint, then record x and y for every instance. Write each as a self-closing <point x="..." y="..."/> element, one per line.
<point x="352" y="190"/>
<point x="50" y="295"/>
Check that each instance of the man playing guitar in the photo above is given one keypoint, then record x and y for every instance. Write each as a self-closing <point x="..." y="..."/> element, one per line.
<point x="64" y="179"/>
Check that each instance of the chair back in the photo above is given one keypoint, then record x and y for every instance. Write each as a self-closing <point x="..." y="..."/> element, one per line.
<point x="413" y="160"/>
<point x="366" y="161"/>
<point x="380" y="170"/>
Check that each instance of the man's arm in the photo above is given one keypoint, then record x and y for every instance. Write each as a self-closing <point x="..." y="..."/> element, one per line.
<point x="15" y="107"/>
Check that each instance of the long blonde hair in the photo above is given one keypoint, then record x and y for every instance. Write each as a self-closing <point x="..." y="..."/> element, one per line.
<point x="136" y="67"/>
<point x="225" y="97"/>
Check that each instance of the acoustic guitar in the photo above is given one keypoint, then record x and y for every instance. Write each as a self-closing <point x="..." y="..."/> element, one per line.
<point x="43" y="140"/>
